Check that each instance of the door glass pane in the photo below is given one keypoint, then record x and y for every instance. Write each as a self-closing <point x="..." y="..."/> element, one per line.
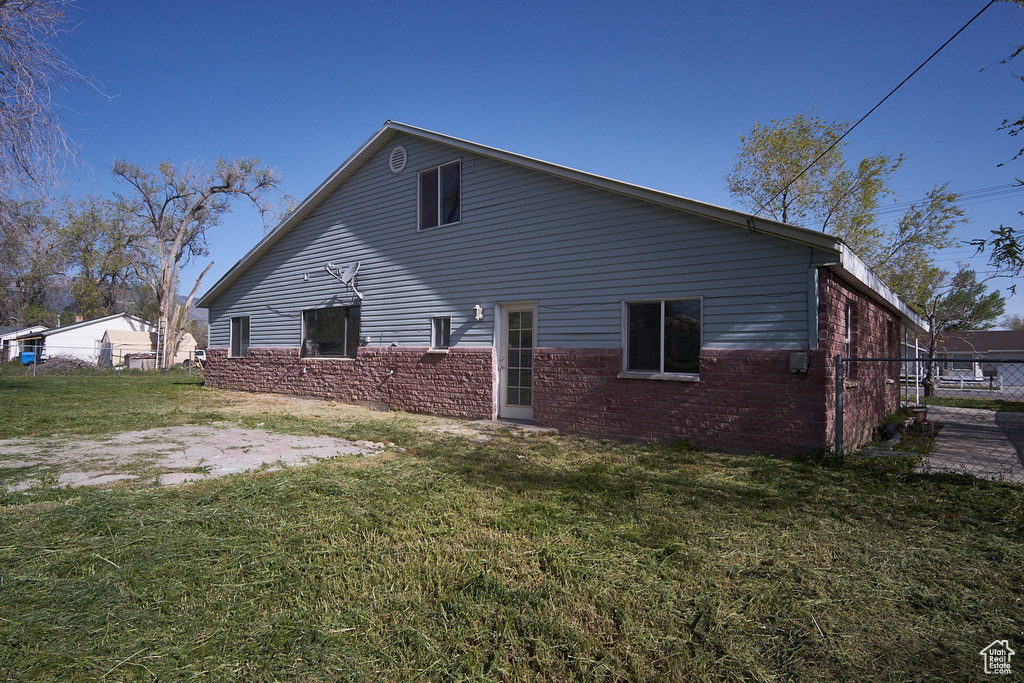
<point x="519" y="358"/>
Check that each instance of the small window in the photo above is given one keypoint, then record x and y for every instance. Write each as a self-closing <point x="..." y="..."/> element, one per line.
<point x="848" y="334"/>
<point x="440" y="332"/>
<point x="240" y="336"/>
<point x="664" y="336"/>
<point x="440" y="201"/>
<point x="330" y="332"/>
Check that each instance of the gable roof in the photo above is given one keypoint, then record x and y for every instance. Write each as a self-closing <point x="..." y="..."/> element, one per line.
<point x="982" y="341"/>
<point x="16" y="332"/>
<point x="847" y="262"/>
<point x="43" y="332"/>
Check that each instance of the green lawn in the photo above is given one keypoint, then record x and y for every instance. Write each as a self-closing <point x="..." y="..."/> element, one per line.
<point x="537" y="557"/>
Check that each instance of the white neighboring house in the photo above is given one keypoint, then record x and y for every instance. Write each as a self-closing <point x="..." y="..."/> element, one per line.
<point x="11" y="345"/>
<point x="83" y="340"/>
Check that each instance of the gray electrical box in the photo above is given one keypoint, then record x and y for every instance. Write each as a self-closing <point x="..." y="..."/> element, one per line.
<point x="798" y="361"/>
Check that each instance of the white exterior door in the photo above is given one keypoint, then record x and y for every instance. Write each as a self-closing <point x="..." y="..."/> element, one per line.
<point x="516" y="340"/>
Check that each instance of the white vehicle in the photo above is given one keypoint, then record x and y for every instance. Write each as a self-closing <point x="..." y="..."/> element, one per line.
<point x="198" y="360"/>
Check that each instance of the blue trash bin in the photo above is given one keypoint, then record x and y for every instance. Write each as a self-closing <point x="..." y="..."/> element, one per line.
<point x="28" y="357"/>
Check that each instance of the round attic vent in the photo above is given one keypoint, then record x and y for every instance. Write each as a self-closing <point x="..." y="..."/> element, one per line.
<point x="398" y="159"/>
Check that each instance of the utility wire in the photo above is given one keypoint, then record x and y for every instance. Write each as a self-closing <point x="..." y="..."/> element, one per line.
<point x="979" y="196"/>
<point x="850" y="129"/>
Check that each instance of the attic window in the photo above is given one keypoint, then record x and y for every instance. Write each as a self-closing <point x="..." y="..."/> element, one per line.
<point x="440" y="195"/>
<point x="398" y="160"/>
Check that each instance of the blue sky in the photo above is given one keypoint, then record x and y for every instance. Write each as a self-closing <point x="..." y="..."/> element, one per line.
<point x="650" y="93"/>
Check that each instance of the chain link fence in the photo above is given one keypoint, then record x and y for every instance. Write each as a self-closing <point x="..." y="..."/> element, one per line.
<point x="962" y="415"/>
<point x="97" y="358"/>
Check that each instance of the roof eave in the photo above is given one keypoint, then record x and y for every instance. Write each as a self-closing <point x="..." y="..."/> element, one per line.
<point x="853" y="268"/>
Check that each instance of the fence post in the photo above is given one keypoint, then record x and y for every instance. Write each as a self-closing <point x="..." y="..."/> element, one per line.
<point x="839" y="407"/>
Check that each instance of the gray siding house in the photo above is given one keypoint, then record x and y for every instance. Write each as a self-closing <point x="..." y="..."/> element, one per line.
<point x="437" y="275"/>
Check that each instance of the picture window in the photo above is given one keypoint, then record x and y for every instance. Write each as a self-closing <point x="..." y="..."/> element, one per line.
<point x="330" y="332"/>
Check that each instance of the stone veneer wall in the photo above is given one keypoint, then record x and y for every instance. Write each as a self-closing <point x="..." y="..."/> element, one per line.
<point x="871" y="388"/>
<point x="458" y="384"/>
<point x="744" y="400"/>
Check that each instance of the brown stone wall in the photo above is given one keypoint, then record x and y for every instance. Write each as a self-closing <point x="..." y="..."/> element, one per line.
<point x="459" y="383"/>
<point x="744" y="401"/>
<point x="871" y="389"/>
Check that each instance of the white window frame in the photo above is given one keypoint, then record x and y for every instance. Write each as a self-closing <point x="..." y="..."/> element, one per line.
<point x="440" y="344"/>
<point x="661" y="375"/>
<point x="419" y="198"/>
<point x="236" y="350"/>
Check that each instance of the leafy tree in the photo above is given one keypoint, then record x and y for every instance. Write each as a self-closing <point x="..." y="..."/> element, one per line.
<point x="100" y="244"/>
<point x="32" y="142"/>
<point x="774" y="173"/>
<point x="174" y="208"/>
<point x="904" y="257"/>
<point x="961" y="303"/>
<point x="1005" y="252"/>
<point x="1013" y="322"/>
<point x="844" y="202"/>
<point x="32" y="264"/>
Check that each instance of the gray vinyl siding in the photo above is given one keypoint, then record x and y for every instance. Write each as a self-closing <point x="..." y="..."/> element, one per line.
<point x="524" y="236"/>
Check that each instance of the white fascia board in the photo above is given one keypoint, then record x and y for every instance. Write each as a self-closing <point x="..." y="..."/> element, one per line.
<point x="852" y="267"/>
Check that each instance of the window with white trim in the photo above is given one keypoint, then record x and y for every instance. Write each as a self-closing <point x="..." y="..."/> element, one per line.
<point x="440" y="332"/>
<point x="330" y="332"/>
<point x="440" y="195"/>
<point x="664" y="336"/>
<point x="239" y="337"/>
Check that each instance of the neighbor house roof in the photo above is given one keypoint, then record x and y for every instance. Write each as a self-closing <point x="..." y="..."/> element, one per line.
<point x="847" y="263"/>
<point x="982" y="341"/>
<point x="134" y="338"/>
<point x="43" y="332"/>
<point x="14" y="333"/>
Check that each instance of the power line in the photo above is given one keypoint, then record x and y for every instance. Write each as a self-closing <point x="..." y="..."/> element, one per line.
<point x="882" y="101"/>
<point x="966" y="198"/>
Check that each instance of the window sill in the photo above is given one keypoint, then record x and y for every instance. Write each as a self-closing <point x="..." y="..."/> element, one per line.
<point x="438" y="227"/>
<point x="349" y="358"/>
<point x="663" y="376"/>
<point x="437" y="352"/>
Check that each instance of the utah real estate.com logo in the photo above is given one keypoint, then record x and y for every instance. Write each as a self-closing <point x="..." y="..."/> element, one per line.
<point x="997" y="657"/>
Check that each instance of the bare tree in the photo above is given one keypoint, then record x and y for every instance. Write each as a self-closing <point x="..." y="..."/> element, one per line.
<point x="33" y="147"/>
<point x="174" y="208"/>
